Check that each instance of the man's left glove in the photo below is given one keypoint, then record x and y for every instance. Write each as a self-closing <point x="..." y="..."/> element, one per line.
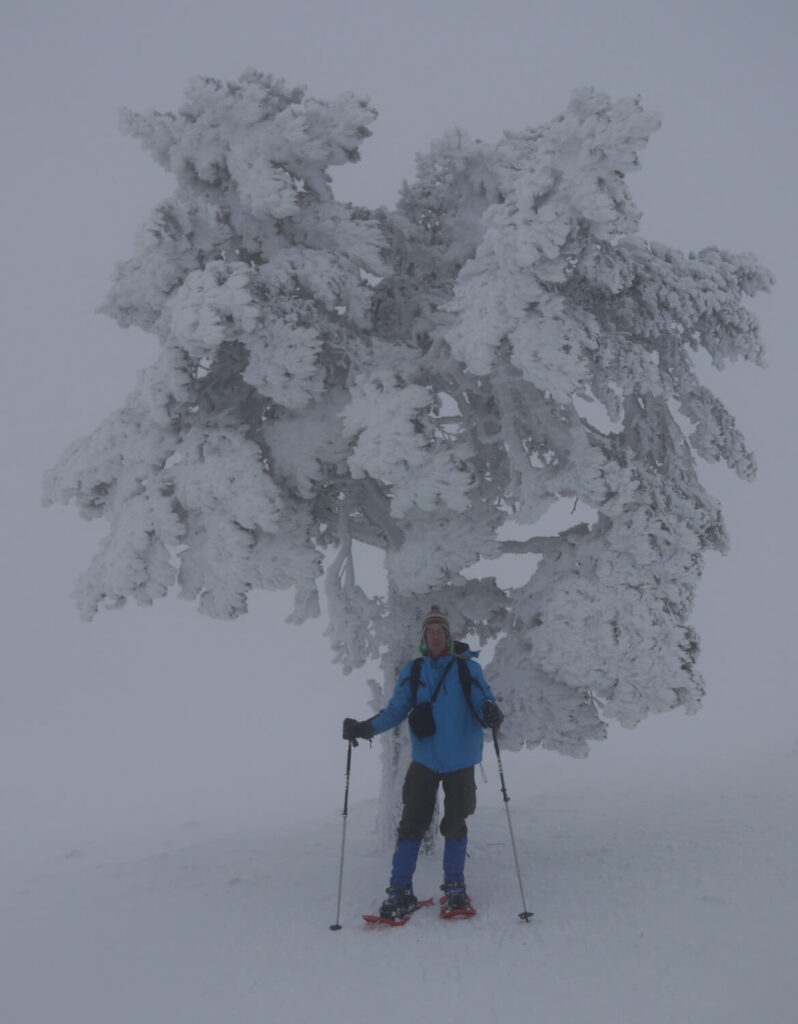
<point x="491" y="715"/>
<point x="354" y="730"/>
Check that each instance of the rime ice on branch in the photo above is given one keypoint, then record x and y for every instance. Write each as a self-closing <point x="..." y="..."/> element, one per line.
<point x="426" y="382"/>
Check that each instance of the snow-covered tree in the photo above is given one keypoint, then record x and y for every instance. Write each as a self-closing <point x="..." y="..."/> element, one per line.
<point x="426" y="383"/>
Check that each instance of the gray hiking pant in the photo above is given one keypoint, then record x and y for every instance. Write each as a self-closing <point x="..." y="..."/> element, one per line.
<point x="419" y="793"/>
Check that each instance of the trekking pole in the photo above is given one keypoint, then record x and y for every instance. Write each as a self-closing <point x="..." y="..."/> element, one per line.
<point x="337" y="926"/>
<point x="525" y="914"/>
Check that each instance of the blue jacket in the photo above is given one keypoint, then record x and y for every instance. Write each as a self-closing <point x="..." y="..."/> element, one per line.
<point x="457" y="741"/>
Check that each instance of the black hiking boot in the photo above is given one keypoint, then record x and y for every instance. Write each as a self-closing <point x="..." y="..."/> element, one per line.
<point x="400" y="903"/>
<point x="455" y="897"/>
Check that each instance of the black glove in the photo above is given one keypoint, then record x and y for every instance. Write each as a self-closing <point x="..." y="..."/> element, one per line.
<point x="354" y="730"/>
<point x="491" y="715"/>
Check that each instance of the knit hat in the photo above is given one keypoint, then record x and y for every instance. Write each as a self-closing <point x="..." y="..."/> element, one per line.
<point x="435" y="617"/>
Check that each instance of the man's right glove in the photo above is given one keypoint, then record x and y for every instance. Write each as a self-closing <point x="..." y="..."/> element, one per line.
<point x="491" y="715"/>
<point x="354" y="730"/>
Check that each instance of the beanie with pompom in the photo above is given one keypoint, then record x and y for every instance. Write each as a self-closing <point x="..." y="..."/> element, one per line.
<point x="435" y="617"/>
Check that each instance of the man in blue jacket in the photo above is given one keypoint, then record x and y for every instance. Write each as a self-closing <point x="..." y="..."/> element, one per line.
<point x="448" y="705"/>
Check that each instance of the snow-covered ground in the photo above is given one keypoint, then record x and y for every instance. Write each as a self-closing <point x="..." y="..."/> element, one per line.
<point x="150" y="871"/>
<point x="659" y="896"/>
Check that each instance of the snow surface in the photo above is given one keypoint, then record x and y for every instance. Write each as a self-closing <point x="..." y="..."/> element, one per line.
<point x="666" y="896"/>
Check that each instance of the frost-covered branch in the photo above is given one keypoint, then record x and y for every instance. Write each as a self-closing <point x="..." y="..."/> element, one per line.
<point x="423" y="384"/>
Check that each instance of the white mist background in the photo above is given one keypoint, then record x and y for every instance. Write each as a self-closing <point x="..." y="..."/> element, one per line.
<point x="151" y="718"/>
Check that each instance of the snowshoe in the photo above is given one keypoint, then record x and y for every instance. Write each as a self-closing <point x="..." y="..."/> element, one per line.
<point x="455" y="901"/>
<point x="397" y="908"/>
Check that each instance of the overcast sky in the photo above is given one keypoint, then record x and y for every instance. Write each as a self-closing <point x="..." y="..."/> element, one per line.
<point x="152" y="716"/>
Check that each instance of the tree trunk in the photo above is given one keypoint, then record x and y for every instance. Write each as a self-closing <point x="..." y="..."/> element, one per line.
<point x="396" y="748"/>
<point x="396" y="755"/>
<point x="395" y="758"/>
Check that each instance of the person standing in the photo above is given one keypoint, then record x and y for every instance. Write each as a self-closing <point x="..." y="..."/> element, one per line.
<point x="447" y="701"/>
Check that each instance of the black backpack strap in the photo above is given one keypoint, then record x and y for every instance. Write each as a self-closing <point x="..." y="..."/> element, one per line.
<point x="466" y="681"/>
<point x="465" y="678"/>
<point x="440" y="683"/>
<point x="415" y="678"/>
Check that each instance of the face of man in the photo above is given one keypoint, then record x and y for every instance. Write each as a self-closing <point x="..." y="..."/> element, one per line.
<point x="437" y="640"/>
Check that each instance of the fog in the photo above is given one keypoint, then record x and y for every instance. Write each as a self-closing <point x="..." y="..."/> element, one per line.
<point x="150" y="718"/>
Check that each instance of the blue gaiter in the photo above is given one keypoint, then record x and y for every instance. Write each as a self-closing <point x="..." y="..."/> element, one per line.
<point x="404" y="862"/>
<point x="454" y="855"/>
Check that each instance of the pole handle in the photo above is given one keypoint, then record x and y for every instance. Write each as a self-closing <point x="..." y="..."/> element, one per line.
<point x="505" y="794"/>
